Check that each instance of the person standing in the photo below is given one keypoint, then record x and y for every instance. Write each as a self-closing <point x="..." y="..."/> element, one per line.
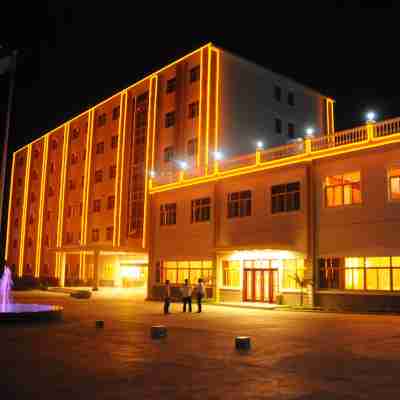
<point x="200" y="294"/>
<point x="186" y="291"/>
<point x="167" y="297"/>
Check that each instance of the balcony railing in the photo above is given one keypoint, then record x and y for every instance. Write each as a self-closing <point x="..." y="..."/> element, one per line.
<point x="360" y="135"/>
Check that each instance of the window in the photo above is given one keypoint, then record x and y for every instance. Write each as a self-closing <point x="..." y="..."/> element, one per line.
<point x="343" y="189"/>
<point x="18" y="201"/>
<point x="33" y="197"/>
<point x="285" y="197"/>
<point x="110" y="202"/>
<point x="48" y="215"/>
<point x="168" y="154"/>
<point x="36" y="153"/>
<point x="98" y="176"/>
<point x="192" y="147"/>
<point x="292" y="272"/>
<point x="231" y="274"/>
<point x="102" y="119"/>
<point x="34" y="175"/>
<point x="377" y="273"/>
<point x="142" y="97"/>
<point x="69" y="212"/>
<point x="113" y="171"/>
<point x="71" y="185"/>
<point x="51" y="191"/>
<point x="46" y="241"/>
<point x="19" y="181"/>
<point x="290" y="98"/>
<point x="394" y="183"/>
<point x="51" y="167"/>
<point x="84" y="155"/>
<point x="95" y="235"/>
<point x="178" y="271"/>
<point x="15" y="244"/>
<point x="115" y="113"/>
<point x="80" y="209"/>
<point x="194" y="74"/>
<point x="30" y="242"/>
<point x="31" y="220"/>
<point x="109" y="233"/>
<point x="97" y="205"/>
<point x="290" y="130"/>
<point x="239" y="204"/>
<point x="20" y="161"/>
<point x="74" y="158"/>
<point x="170" y="119"/>
<point x="171" y="85"/>
<point x="69" y="237"/>
<point x="194" y="109"/>
<point x="75" y="133"/>
<point x="114" y="141"/>
<point x="168" y="214"/>
<point x="201" y="210"/>
<point x="100" y="148"/>
<point x="278" y="125"/>
<point x="277" y="93"/>
<point x="54" y="144"/>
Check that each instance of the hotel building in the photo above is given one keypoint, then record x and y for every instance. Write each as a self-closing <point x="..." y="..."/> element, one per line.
<point x="163" y="181"/>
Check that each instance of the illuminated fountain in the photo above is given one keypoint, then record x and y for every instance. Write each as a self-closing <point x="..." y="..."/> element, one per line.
<point x="10" y="311"/>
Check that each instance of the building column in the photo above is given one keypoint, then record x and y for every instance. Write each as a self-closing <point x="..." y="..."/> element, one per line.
<point x="63" y="259"/>
<point x="96" y="270"/>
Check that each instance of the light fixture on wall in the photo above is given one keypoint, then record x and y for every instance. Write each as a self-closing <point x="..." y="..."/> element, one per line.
<point x="218" y="155"/>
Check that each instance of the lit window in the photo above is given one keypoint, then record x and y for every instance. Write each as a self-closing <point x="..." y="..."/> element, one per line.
<point x="168" y="154"/>
<point x="292" y="273"/>
<point x="239" y="204"/>
<point x="192" y="147"/>
<point x="201" y="210"/>
<point x="354" y="273"/>
<point x="231" y="274"/>
<point x="171" y="85"/>
<point x="285" y="197"/>
<point x="343" y="189"/>
<point x="194" y="74"/>
<point x="168" y="214"/>
<point x="277" y="93"/>
<point x="98" y="176"/>
<point x="115" y="113"/>
<point x="114" y="141"/>
<point x="100" y="148"/>
<point x="170" y="119"/>
<point x="394" y="183"/>
<point x="109" y="233"/>
<point x="377" y="273"/>
<point x="193" y="109"/>
<point x="97" y="205"/>
<point x="178" y="271"/>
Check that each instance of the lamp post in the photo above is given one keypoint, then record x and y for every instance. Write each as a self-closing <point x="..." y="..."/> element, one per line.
<point x="7" y="133"/>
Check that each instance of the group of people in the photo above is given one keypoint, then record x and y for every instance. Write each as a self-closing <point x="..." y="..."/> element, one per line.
<point x="186" y="291"/>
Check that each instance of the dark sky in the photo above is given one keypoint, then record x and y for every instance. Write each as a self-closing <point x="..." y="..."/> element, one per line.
<point x="74" y="55"/>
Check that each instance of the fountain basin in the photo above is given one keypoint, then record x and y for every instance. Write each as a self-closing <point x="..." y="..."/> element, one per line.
<point x="29" y="312"/>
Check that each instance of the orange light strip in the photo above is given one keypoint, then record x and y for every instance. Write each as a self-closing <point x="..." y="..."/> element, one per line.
<point x="24" y="211"/>
<point x="128" y="88"/>
<point x="116" y="195"/>
<point x="207" y="110"/>
<point x="200" y="111"/>
<point x="61" y="200"/>
<point x="146" y="173"/>
<point x="154" y="124"/>
<point x="121" y="185"/>
<point x="216" y="131"/>
<point x="41" y="206"/>
<point x="293" y="160"/>
<point x="10" y="198"/>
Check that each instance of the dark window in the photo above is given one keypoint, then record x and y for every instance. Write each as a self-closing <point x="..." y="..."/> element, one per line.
<point x="35" y="153"/>
<point x="278" y="125"/>
<point x="20" y="161"/>
<point x="51" y="167"/>
<point x="19" y="181"/>
<point x="142" y="97"/>
<point x="54" y="144"/>
<point x="75" y="133"/>
<point x="168" y="154"/>
<point x="285" y="197"/>
<point x="51" y="191"/>
<point x="114" y="141"/>
<point x="239" y="204"/>
<point x="168" y="214"/>
<point x="192" y="147"/>
<point x="113" y="171"/>
<point x="33" y="197"/>
<point x="194" y="74"/>
<point x="170" y="119"/>
<point x="277" y="93"/>
<point x="84" y="155"/>
<point x="80" y="209"/>
<point x="69" y="237"/>
<point x="48" y="215"/>
<point x="329" y="272"/>
<point x="109" y="233"/>
<point x="201" y="210"/>
<point x="100" y="148"/>
<point x="30" y="242"/>
<point x="95" y="235"/>
<point x="102" y="119"/>
<point x="34" y="175"/>
<point x="96" y="205"/>
<point x="193" y="109"/>
<point x="290" y="130"/>
<point x="18" y="201"/>
<point x="74" y="158"/>
<point x="15" y="244"/>
<point x="71" y="185"/>
<point x="69" y="212"/>
<point x="171" y="85"/>
<point x="46" y="241"/>
<point x="290" y="98"/>
<point x="98" y="176"/>
<point x="31" y="220"/>
<point x="115" y="113"/>
<point x="111" y="202"/>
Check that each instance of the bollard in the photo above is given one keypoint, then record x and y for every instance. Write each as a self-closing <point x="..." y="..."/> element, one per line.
<point x="242" y="343"/>
<point x="158" y="332"/>
<point x="100" y="324"/>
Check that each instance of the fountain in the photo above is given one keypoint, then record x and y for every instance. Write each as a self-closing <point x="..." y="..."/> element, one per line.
<point x="10" y="311"/>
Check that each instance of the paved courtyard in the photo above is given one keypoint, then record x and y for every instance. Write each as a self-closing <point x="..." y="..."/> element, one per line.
<point x="294" y="355"/>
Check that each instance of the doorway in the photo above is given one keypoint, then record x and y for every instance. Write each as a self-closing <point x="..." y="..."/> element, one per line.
<point x="260" y="285"/>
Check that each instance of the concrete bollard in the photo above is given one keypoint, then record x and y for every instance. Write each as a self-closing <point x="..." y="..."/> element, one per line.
<point x="158" y="332"/>
<point x="99" y="324"/>
<point x="242" y="343"/>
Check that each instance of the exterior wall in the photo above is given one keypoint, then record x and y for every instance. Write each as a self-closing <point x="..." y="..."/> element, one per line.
<point x="249" y="109"/>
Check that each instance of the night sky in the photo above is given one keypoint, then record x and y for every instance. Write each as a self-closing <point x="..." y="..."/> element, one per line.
<point x="73" y="56"/>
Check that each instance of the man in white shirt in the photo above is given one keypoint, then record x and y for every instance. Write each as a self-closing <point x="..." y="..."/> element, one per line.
<point x="186" y="291"/>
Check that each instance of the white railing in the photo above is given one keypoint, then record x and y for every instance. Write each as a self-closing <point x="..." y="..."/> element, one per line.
<point x="238" y="162"/>
<point x="279" y="152"/>
<point x="388" y="127"/>
<point x="349" y="136"/>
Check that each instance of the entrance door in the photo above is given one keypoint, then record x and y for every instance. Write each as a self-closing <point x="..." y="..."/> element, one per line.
<point x="260" y="285"/>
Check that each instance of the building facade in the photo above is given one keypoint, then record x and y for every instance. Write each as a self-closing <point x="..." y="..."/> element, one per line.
<point x="134" y="190"/>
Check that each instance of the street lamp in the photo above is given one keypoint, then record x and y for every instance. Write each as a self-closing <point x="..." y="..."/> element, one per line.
<point x="371" y="117"/>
